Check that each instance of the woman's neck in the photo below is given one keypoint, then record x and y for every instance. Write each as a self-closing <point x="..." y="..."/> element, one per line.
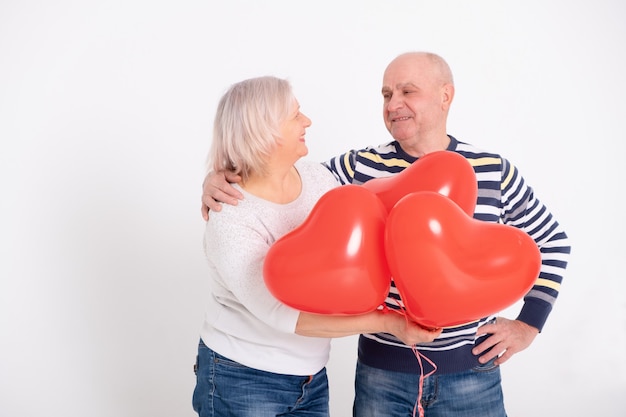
<point x="277" y="186"/>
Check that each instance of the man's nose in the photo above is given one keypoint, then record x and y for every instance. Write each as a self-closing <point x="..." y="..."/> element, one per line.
<point x="395" y="102"/>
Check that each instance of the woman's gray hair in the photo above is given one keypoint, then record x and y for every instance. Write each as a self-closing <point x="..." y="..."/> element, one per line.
<point x="247" y="124"/>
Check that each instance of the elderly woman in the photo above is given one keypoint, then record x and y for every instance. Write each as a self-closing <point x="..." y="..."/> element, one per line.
<point x="258" y="356"/>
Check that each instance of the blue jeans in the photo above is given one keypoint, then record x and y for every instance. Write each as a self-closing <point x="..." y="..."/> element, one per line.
<point x="225" y="388"/>
<point x="473" y="393"/>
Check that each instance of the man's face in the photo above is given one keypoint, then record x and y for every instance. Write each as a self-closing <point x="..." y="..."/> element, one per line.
<point x="414" y="102"/>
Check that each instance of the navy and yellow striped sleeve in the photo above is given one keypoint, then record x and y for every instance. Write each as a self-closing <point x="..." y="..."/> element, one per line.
<point x="342" y="166"/>
<point x="522" y="209"/>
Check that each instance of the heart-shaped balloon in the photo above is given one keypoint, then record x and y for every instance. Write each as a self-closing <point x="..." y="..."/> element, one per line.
<point x="334" y="262"/>
<point x="445" y="172"/>
<point x="450" y="268"/>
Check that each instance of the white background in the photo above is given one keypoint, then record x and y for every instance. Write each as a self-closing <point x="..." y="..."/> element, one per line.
<point x="105" y="117"/>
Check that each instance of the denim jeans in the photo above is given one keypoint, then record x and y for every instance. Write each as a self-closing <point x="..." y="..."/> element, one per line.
<point x="225" y="388"/>
<point x="473" y="393"/>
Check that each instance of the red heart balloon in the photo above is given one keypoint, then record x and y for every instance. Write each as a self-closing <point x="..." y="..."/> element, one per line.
<point x="452" y="269"/>
<point x="334" y="262"/>
<point x="445" y="172"/>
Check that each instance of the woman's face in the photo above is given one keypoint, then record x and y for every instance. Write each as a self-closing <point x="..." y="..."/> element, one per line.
<point x="292" y="132"/>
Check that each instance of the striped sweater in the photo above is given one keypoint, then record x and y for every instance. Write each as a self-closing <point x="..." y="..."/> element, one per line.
<point x="503" y="196"/>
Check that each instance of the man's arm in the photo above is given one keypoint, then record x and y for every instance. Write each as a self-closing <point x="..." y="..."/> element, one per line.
<point x="522" y="209"/>
<point x="216" y="189"/>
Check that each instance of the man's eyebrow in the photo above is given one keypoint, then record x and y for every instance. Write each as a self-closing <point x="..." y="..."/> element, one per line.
<point x="399" y="86"/>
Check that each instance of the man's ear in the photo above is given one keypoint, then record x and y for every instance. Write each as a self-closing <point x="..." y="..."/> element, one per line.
<point x="447" y="94"/>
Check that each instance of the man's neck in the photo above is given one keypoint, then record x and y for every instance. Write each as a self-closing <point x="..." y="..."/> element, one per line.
<point x="420" y="147"/>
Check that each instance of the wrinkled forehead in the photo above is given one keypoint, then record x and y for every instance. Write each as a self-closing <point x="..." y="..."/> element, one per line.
<point x="400" y="74"/>
<point x="411" y="70"/>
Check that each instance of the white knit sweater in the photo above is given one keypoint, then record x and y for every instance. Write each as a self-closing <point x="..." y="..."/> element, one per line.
<point x="243" y="321"/>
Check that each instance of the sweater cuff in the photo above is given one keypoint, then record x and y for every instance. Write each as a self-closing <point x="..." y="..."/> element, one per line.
<point x="535" y="313"/>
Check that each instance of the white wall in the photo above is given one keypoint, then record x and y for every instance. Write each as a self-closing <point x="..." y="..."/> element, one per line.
<point x="105" y="116"/>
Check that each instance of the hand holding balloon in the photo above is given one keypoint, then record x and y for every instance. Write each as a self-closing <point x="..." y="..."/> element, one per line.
<point x="408" y="331"/>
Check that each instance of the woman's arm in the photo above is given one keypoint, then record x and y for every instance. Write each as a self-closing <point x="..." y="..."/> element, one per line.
<point x="409" y="332"/>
